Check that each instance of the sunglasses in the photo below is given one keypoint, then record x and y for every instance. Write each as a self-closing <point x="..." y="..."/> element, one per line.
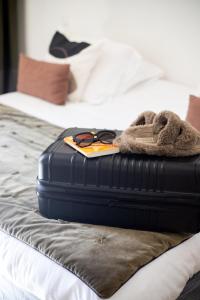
<point x="85" y="139"/>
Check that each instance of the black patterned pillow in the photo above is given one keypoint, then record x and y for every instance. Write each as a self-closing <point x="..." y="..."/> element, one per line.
<point x="61" y="47"/>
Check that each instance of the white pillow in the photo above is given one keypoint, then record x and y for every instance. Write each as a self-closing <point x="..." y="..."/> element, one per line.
<point x="144" y="71"/>
<point x="81" y="66"/>
<point x="106" y="78"/>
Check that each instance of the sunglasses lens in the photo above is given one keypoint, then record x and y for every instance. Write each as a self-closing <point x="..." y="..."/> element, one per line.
<point x="84" y="139"/>
<point x="106" y="137"/>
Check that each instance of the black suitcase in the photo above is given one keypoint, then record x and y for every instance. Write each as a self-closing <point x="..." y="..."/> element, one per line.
<point x="130" y="191"/>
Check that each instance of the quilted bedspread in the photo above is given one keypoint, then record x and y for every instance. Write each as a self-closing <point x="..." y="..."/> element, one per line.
<point x="104" y="258"/>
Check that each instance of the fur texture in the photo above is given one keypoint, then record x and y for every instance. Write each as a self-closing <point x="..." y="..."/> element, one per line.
<point x="124" y="141"/>
<point x="169" y="134"/>
<point x="144" y="118"/>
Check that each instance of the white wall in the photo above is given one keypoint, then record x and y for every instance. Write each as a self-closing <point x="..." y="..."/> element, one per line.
<point x="166" y="32"/>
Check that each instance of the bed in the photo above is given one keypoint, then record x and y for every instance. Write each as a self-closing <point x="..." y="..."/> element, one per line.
<point x="27" y="274"/>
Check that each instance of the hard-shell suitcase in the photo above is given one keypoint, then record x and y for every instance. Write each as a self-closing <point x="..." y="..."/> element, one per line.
<point x="130" y="191"/>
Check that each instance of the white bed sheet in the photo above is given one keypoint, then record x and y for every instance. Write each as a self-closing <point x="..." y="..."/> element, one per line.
<point x="163" y="278"/>
<point x="8" y="291"/>
<point x="117" y="113"/>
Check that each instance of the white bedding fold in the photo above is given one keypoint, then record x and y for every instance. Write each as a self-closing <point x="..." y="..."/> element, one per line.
<point x="8" y="291"/>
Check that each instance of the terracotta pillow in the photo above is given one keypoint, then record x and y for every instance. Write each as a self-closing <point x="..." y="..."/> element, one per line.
<point x="193" y="115"/>
<point x="48" y="81"/>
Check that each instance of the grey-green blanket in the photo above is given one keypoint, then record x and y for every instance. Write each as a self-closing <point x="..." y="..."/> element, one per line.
<point x="102" y="257"/>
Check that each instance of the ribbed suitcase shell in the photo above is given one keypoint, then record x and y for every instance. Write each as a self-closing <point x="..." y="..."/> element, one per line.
<point x="131" y="191"/>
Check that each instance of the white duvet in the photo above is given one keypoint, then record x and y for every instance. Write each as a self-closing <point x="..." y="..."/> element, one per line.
<point x="117" y="112"/>
<point x="163" y="278"/>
